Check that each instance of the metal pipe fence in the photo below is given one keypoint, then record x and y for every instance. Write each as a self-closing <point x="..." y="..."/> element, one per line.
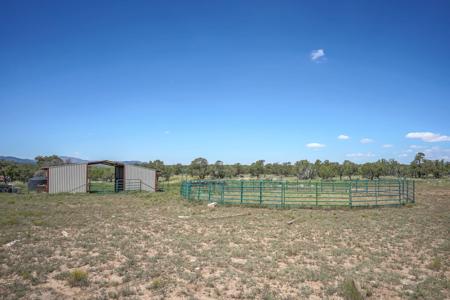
<point x="350" y="193"/>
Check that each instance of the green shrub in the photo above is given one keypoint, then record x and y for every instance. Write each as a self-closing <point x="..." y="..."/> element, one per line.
<point x="435" y="264"/>
<point x="78" y="278"/>
<point x="349" y="291"/>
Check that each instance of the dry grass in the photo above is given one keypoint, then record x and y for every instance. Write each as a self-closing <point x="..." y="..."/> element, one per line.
<point x="136" y="246"/>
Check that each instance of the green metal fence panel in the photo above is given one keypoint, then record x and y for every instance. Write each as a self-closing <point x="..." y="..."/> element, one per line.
<point x="301" y="193"/>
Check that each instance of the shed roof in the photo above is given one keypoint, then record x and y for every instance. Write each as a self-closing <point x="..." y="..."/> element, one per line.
<point x="106" y="162"/>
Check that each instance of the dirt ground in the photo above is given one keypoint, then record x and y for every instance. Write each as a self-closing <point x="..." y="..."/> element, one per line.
<point x="142" y="246"/>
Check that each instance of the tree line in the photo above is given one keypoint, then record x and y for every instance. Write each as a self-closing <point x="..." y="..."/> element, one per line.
<point x="200" y="168"/>
<point x="420" y="167"/>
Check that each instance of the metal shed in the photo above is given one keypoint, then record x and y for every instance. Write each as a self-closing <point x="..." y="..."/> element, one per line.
<point x="139" y="175"/>
<point x="73" y="178"/>
<point x="67" y="179"/>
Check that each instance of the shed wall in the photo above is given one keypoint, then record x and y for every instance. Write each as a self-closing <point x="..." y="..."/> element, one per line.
<point x="67" y="179"/>
<point x="136" y="174"/>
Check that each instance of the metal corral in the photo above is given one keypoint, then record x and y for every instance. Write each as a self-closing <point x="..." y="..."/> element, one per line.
<point x="351" y="193"/>
<point x="67" y="179"/>
<point x="139" y="178"/>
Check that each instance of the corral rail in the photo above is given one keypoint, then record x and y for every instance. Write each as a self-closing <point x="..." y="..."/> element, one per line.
<point x="351" y="193"/>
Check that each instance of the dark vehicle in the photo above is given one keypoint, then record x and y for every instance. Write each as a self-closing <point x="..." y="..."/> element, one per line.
<point x="37" y="183"/>
<point x="5" y="187"/>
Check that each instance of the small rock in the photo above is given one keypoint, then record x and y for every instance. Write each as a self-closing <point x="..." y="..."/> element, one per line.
<point x="212" y="205"/>
<point x="11" y="243"/>
<point x="183" y="217"/>
<point x="64" y="233"/>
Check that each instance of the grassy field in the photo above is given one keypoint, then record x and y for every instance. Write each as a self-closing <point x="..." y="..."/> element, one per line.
<point x="140" y="245"/>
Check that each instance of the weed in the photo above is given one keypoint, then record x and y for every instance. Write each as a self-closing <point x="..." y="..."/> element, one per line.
<point x="349" y="291"/>
<point x="435" y="264"/>
<point x="78" y="277"/>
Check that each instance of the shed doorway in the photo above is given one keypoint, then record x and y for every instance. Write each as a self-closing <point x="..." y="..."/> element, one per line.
<point x="105" y="177"/>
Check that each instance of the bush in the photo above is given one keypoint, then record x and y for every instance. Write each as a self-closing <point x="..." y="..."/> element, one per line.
<point x="78" y="278"/>
<point x="349" y="291"/>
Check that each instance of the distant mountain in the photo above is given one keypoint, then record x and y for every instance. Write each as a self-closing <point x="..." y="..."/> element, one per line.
<point x="73" y="160"/>
<point x="18" y="160"/>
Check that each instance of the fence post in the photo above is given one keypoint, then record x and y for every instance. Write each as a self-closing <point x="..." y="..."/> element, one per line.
<point x="376" y="193"/>
<point x="414" y="191"/>
<point x="198" y="192"/>
<point x="282" y="193"/>
<point x="317" y="194"/>
<point x="260" y="192"/>
<point x="209" y="192"/>
<point x="399" y="193"/>
<point x="188" y="191"/>
<point x="222" y="196"/>
<point x="350" y="204"/>
<point x="242" y="191"/>
<point x="407" y="191"/>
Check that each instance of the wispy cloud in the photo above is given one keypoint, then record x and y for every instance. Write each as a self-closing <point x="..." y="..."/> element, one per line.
<point x="428" y="137"/>
<point x="315" y="145"/>
<point x="437" y="152"/>
<point x="366" y="141"/>
<point x="433" y="153"/>
<point x="387" y="146"/>
<point x="317" y="55"/>
<point x="416" y="147"/>
<point x="360" y="155"/>
<point x="343" y="137"/>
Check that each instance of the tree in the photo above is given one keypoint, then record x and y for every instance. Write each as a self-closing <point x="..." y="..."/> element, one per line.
<point x="218" y="170"/>
<point x="238" y="170"/>
<point x="199" y="167"/>
<point x="303" y="169"/>
<point x="178" y="169"/>
<point x="10" y="171"/>
<point x="48" y="161"/>
<point x="257" y="168"/>
<point x="349" y="169"/>
<point x="157" y="165"/>
<point x="326" y="170"/>
<point x="164" y="171"/>
<point x="367" y="171"/>
<point x="287" y="169"/>
<point x="371" y="170"/>
<point x="416" y="165"/>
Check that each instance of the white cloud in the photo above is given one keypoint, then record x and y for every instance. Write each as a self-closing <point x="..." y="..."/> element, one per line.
<point x="366" y="141"/>
<point x="317" y="55"/>
<point x="388" y="146"/>
<point x="437" y="152"/>
<point x="416" y="147"/>
<point x="315" y="145"/>
<point x="429" y="137"/>
<point x="343" y="137"/>
<point x="360" y="155"/>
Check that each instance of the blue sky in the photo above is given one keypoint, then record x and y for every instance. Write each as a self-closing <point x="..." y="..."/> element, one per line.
<point x="231" y="80"/>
